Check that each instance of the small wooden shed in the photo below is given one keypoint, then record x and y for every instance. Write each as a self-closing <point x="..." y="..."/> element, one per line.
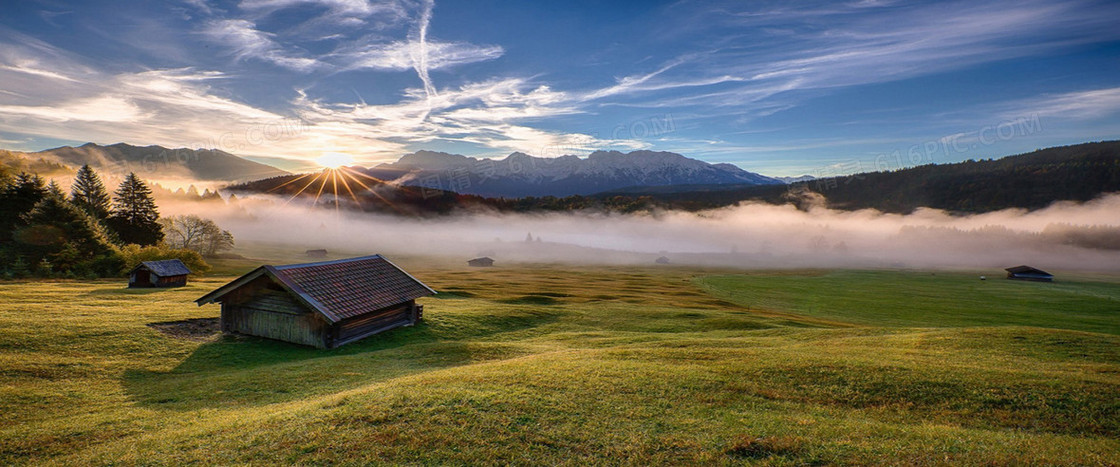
<point x="164" y="273"/>
<point x="483" y="262"/>
<point x="1027" y="273"/>
<point x="325" y="304"/>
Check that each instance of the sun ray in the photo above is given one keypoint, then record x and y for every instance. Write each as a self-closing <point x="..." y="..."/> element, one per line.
<point x="369" y="189"/>
<point x="301" y="190"/>
<point x="353" y="172"/>
<point x="334" y="186"/>
<point x="289" y="182"/>
<point x="322" y="185"/>
<point x="346" y="185"/>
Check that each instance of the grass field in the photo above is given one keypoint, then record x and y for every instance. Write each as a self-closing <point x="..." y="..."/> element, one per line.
<point x="574" y="365"/>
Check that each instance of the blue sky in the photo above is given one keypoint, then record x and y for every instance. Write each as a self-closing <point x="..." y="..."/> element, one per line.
<point x="780" y="88"/>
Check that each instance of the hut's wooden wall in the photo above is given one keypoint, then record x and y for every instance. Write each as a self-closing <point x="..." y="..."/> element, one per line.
<point x="361" y="326"/>
<point x="260" y="309"/>
<point x="171" y="281"/>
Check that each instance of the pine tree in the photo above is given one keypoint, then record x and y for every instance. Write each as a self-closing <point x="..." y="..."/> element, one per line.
<point x="16" y="199"/>
<point x="65" y="237"/>
<point x="89" y="194"/>
<point x="53" y="189"/>
<point x="19" y="268"/>
<point x="134" y="217"/>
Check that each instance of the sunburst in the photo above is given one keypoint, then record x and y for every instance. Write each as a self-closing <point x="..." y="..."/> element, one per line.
<point x="335" y="173"/>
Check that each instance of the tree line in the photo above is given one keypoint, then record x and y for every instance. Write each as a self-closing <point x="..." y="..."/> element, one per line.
<point x="1030" y="181"/>
<point x="87" y="233"/>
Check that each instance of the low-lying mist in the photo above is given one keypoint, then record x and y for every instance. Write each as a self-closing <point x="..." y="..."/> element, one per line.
<point x="1066" y="235"/>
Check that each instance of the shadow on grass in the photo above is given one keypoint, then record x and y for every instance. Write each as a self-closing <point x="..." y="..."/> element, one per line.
<point x="239" y="371"/>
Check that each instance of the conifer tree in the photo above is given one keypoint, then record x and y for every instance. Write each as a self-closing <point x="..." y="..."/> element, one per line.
<point x="16" y="199"/>
<point x="66" y="239"/>
<point x="54" y="189"/>
<point x="134" y="217"/>
<point x="89" y="194"/>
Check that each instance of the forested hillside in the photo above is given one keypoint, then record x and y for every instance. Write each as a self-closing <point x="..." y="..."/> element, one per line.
<point x="1034" y="180"/>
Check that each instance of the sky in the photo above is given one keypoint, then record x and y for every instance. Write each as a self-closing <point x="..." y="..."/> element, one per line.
<point x="779" y="88"/>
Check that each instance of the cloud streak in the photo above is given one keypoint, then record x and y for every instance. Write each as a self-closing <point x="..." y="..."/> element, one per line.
<point x="419" y="47"/>
<point x="248" y="42"/>
<point x="880" y="45"/>
<point x="1076" y="105"/>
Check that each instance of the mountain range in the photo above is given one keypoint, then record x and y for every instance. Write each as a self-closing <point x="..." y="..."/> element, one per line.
<point x="158" y="162"/>
<point x="1030" y="181"/>
<point x="520" y="174"/>
<point x="427" y="182"/>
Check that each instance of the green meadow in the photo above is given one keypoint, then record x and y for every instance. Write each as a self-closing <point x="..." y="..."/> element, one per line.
<point x="575" y="365"/>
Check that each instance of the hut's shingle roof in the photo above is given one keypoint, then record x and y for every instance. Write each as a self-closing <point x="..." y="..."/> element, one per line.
<point x="341" y="288"/>
<point x="165" y="268"/>
<point x="1027" y="270"/>
<point x="350" y="287"/>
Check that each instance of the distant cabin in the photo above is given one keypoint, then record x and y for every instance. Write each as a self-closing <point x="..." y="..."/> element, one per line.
<point x="316" y="253"/>
<point x="325" y="304"/>
<point x="1027" y="273"/>
<point x="165" y="273"/>
<point x="662" y="260"/>
<point x="483" y="262"/>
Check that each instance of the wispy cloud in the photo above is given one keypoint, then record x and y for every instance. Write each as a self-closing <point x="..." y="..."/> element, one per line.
<point x="401" y="55"/>
<point x="200" y="5"/>
<point x="850" y="45"/>
<point x="1076" y="105"/>
<point x="248" y="42"/>
<point x="338" y="13"/>
<point x="110" y="109"/>
<point x="29" y="67"/>
<point x="362" y="8"/>
<point x="419" y="49"/>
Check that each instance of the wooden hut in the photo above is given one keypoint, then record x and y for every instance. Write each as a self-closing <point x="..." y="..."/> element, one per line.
<point x="1027" y="273"/>
<point x="483" y="262"/>
<point x="324" y="304"/>
<point x="165" y="273"/>
<point x="318" y="253"/>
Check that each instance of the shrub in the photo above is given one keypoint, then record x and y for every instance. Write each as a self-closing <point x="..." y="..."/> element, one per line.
<point x="134" y="254"/>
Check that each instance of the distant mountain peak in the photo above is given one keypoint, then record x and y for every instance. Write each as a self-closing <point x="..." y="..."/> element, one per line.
<point x="163" y="163"/>
<point x="517" y="156"/>
<point x="520" y="174"/>
<point x="426" y="159"/>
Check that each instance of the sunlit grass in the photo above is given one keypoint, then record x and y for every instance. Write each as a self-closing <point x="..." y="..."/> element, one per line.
<point x="569" y="365"/>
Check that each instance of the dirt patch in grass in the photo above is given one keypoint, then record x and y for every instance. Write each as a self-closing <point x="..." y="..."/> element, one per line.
<point x="197" y="329"/>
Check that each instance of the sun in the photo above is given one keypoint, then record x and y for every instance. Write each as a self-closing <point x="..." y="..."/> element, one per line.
<point x="334" y="160"/>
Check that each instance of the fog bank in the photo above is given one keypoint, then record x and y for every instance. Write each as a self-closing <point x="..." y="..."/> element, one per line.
<point x="752" y="235"/>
